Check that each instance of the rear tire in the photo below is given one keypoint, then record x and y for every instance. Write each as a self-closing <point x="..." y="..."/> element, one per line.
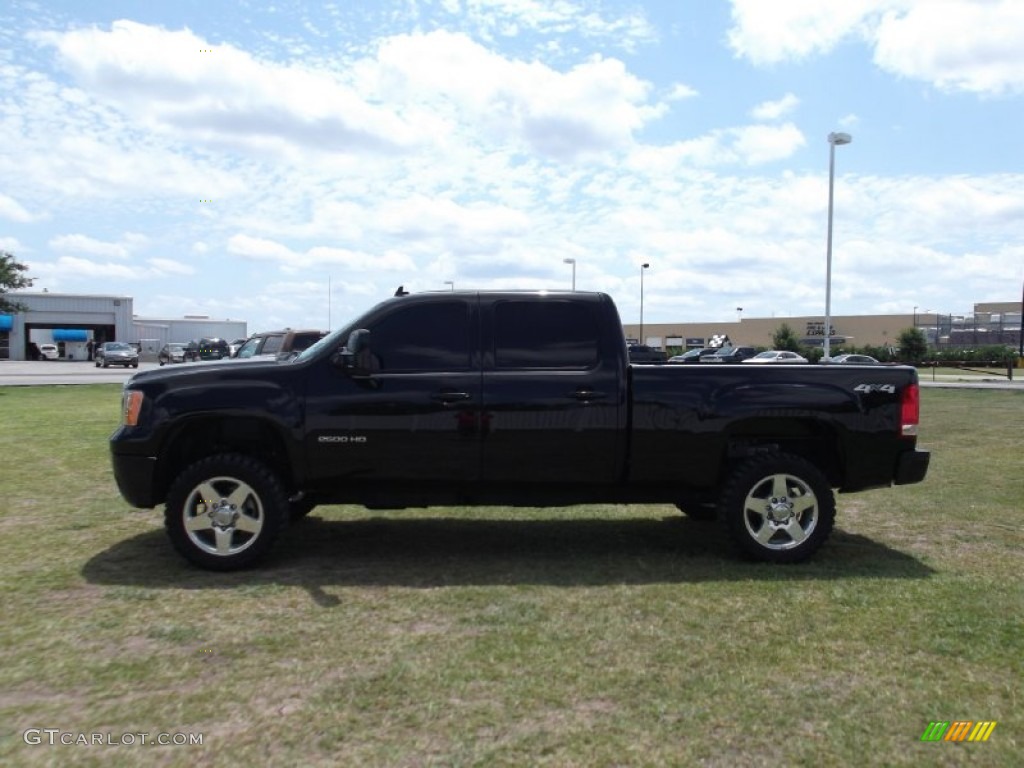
<point x="225" y="511"/>
<point x="778" y="508"/>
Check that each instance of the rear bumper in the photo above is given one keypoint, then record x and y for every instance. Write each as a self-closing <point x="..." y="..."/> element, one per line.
<point x="135" y="476"/>
<point x="912" y="467"/>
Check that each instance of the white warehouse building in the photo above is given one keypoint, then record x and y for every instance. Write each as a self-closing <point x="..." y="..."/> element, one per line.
<point x="71" y="321"/>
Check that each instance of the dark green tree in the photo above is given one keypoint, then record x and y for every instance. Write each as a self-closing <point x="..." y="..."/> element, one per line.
<point x="913" y="345"/>
<point x="12" y="278"/>
<point x="785" y="338"/>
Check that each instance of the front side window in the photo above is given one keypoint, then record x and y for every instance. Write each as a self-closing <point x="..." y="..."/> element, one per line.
<point x="248" y="349"/>
<point x="545" y="334"/>
<point x="422" y="337"/>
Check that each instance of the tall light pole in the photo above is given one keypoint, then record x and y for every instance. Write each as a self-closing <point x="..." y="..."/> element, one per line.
<point x="573" y="262"/>
<point x="642" y="268"/>
<point x="834" y="140"/>
<point x="450" y="284"/>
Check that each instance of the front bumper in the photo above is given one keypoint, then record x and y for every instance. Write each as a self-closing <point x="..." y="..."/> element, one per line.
<point x="912" y="467"/>
<point x="136" y="479"/>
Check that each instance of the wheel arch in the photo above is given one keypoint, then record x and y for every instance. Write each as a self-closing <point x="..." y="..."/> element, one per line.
<point x="816" y="441"/>
<point x="207" y="435"/>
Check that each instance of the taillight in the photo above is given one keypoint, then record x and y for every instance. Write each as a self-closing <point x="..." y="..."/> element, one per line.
<point x="910" y="410"/>
<point x="132" y="404"/>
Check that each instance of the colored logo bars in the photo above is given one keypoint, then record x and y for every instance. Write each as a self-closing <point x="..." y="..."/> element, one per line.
<point x="958" y="730"/>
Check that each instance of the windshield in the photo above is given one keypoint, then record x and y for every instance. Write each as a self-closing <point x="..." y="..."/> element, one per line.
<point x="117" y="345"/>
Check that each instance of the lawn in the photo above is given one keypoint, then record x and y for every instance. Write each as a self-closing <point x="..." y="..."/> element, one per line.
<point x="586" y="636"/>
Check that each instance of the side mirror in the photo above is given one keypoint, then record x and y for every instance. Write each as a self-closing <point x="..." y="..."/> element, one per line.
<point x="355" y="357"/>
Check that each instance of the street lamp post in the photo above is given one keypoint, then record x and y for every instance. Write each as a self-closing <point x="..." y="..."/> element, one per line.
<point x="642" y="268"/>
<point x="834" y="140"/>
<point x="450" y="284"/>
<point x="573" y="262"/>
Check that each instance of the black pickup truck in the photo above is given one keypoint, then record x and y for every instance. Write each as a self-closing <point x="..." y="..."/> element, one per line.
<point x="506" y="398"/>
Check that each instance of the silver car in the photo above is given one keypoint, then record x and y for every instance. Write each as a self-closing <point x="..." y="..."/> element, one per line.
<point x="117" y="353"/>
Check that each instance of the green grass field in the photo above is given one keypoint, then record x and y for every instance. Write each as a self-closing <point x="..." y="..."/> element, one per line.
<point x="587" y="636"/>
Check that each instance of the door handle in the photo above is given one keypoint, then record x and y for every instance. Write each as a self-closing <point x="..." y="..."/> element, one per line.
<point x="587" y="394"/>
<point x="448" y="397"/>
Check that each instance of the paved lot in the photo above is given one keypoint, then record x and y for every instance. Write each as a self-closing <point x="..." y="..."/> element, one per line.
<point x="27" y="373"/>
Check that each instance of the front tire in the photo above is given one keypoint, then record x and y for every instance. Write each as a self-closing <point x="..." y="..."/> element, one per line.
<point x="225" y="511"/>
<point x="778" y="508"/>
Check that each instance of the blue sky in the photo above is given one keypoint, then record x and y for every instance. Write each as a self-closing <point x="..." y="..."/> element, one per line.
<point x="247" y="160"/>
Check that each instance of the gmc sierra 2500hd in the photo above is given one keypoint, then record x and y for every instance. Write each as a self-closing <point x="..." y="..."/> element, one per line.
<point x="512" y="398"/>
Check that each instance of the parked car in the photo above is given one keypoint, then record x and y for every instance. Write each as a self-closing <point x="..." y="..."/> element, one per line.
<point x="207" y="349"/>
<point x="48" y="352"/>
<point x="284" y="345"/>
<point x="172" y="353"/>
<point x="775" y="356"/>
<point x="234" y="346"/>
<point x="116" y="353"/>
<point x="641" y="353"/>
<point x="852" y="360"/>
<point x="730" y="355"/>
<point x="692" y="356"/>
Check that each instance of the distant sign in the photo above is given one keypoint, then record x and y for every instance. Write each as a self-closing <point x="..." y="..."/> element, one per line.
<point x="817" y="328"/>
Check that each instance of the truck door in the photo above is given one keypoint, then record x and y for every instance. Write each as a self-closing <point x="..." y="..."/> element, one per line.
<point x="553" y="400"/>
<point x="414" y="419"/>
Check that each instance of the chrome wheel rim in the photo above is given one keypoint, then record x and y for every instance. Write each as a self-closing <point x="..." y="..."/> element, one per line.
<point x="780" y="511"/>
<point x="223" y="516"/>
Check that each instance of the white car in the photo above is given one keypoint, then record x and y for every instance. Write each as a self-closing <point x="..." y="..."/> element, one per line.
<point x="49" y="352"/>
<point x="776" y="356"/>
<point x="852" y="360"/>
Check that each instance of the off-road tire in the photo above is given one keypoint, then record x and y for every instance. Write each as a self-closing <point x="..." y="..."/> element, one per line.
<point x="777" y="508"/>
<point x="224" y="512"/>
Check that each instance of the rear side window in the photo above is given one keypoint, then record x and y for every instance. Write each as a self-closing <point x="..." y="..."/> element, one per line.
<point x="423" y="337"/>
<point x="272" y="344"/>
<point x="545" y="334"/>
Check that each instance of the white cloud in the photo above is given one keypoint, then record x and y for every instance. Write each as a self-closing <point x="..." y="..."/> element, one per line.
<point x="957" y="46"/>
<point x="773" y="110"/>
<point x="78" y="243"/>
<point x="770" y="32"/>
<point x="264" y="249"/>
<point x="748" y="145"/>
<point x="510" y="18"/>
<point x="681" y="91"/>
<point x="10" y="244"/>
<point x="170" y="267"/>
<point x="259" y="249"/>
<point x="12" y="210"/>
<point x="594" y="107"/>
<point x="180" y="83"/>
<point x="965" y="45"/>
